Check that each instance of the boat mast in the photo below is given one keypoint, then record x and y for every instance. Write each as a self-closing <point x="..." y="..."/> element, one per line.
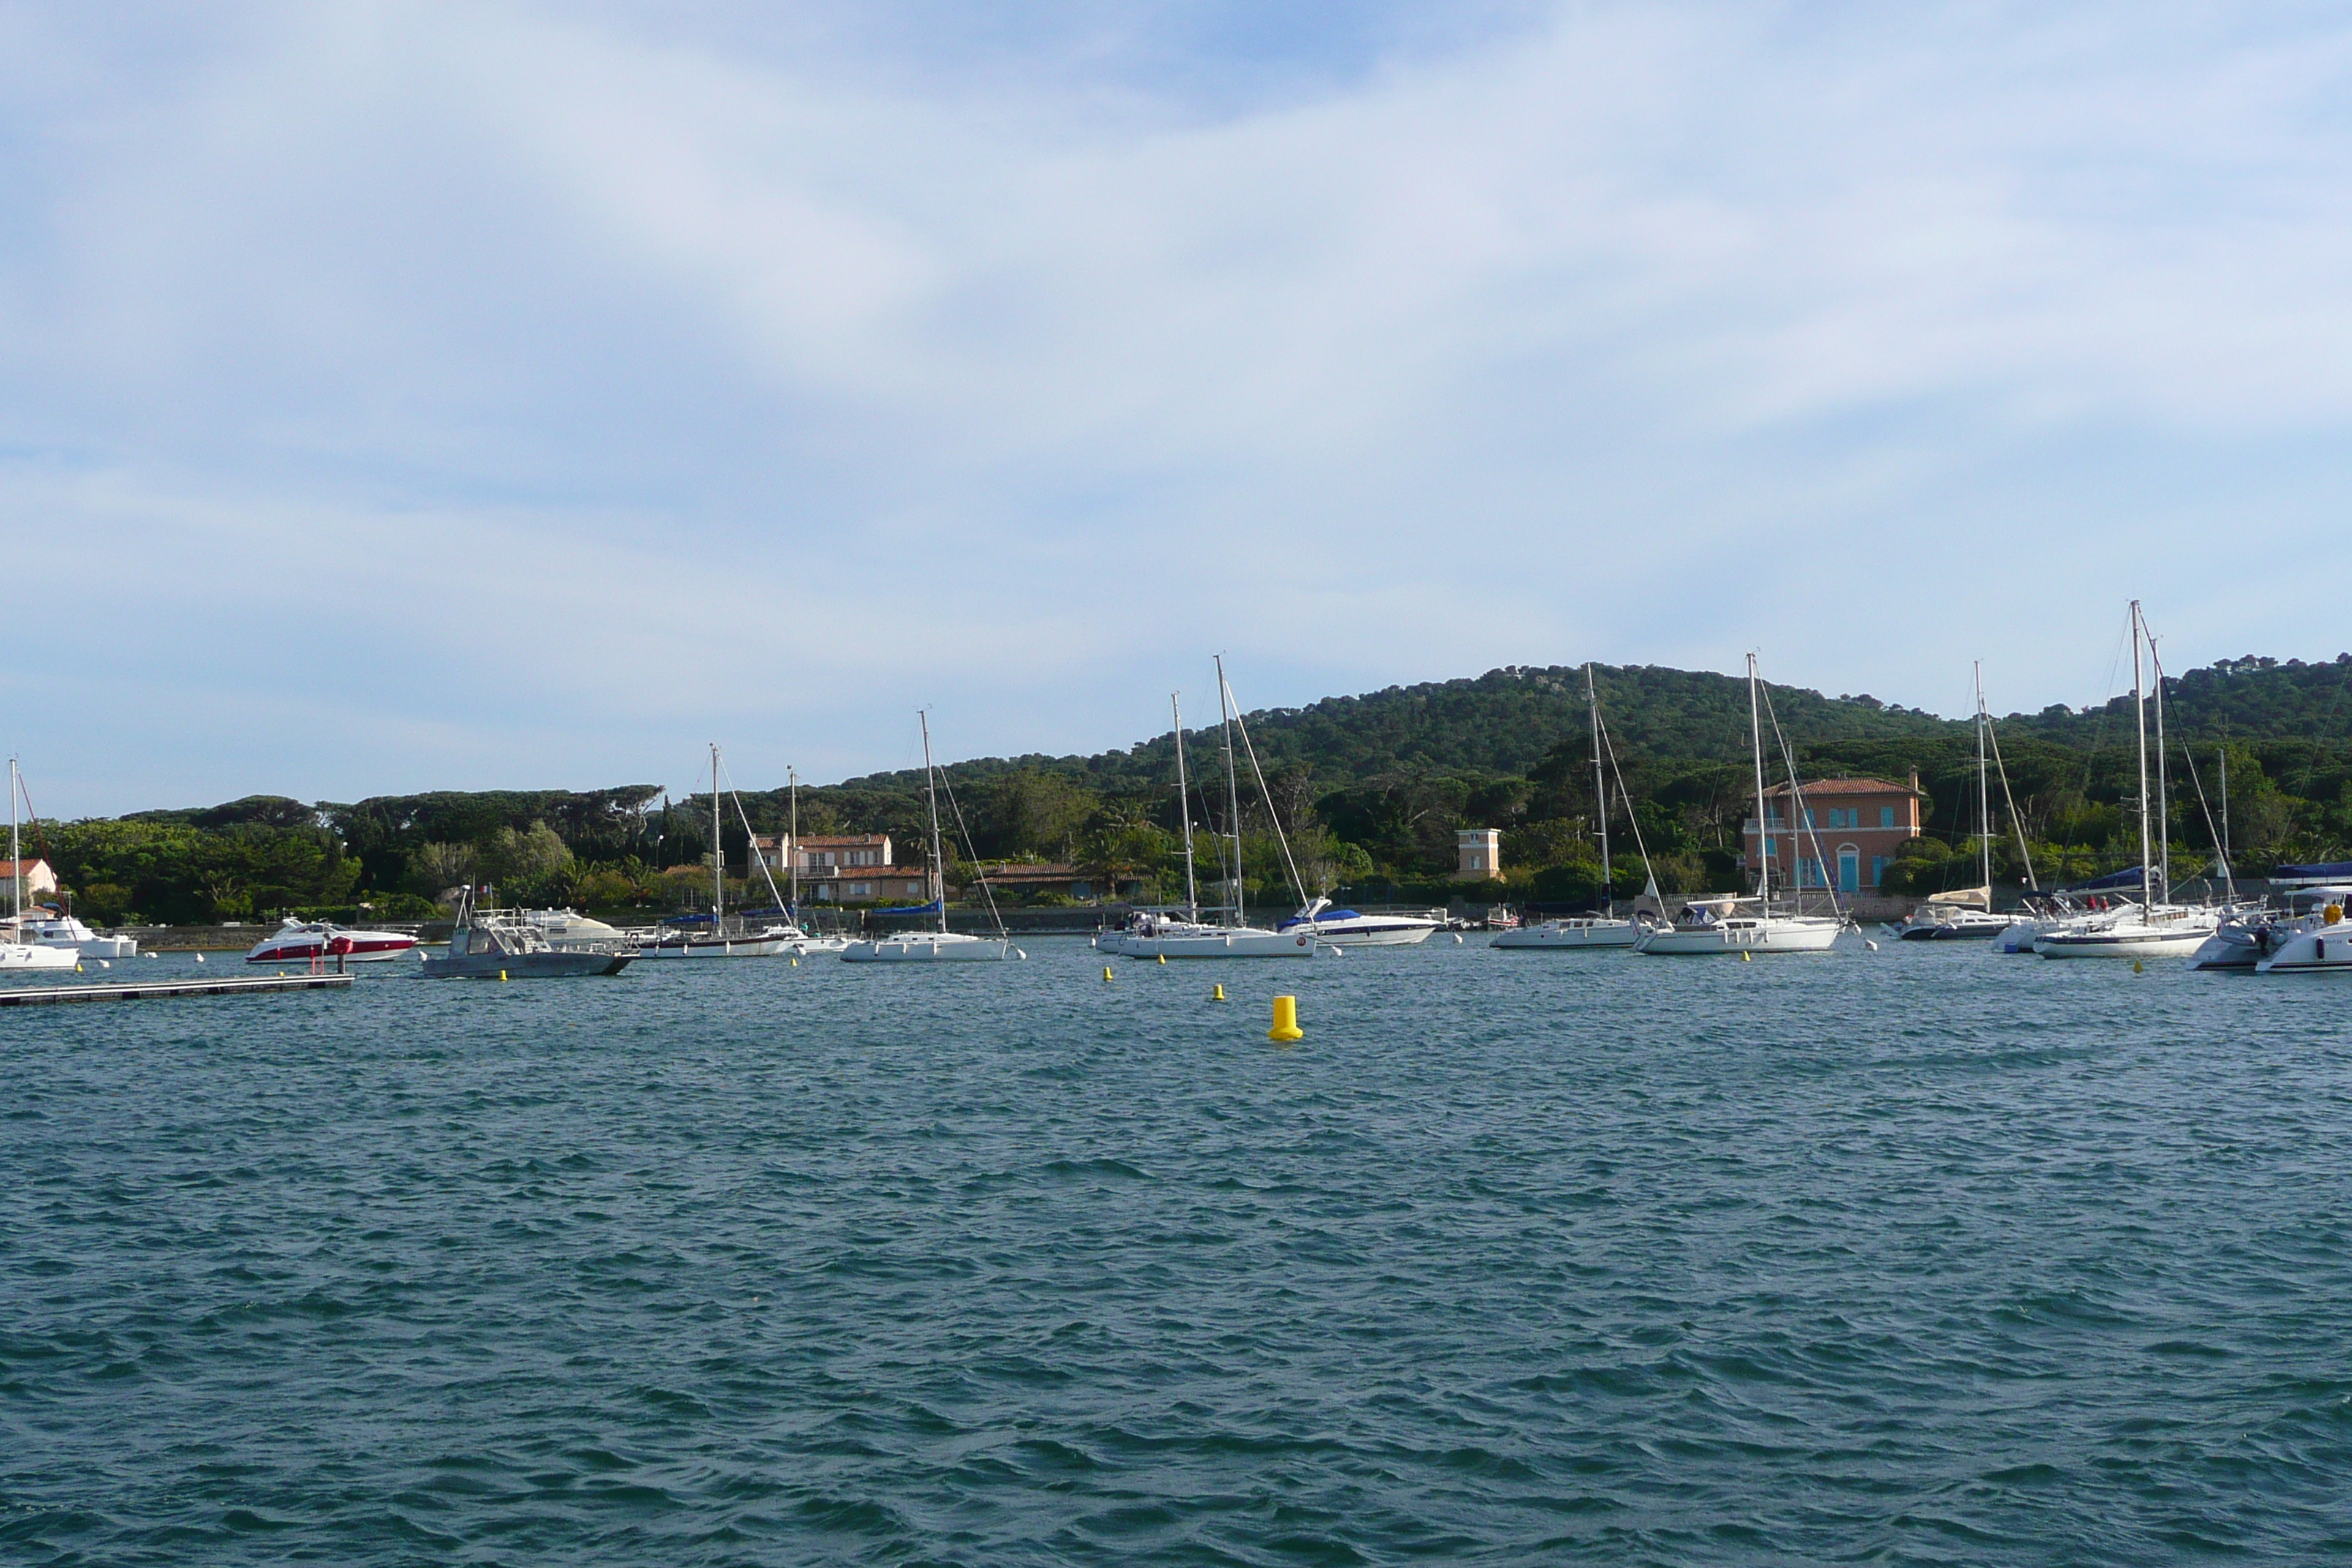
<point x="2163" y="786"/>
<point x="16" y="862"/>
<point x="2229" y="871"/>
<point x="1184" y="810"/>
<point x="1233" y="784"/>
<point x="1763" y="823"/>
<point x="1984" y="792"/>
<point x="717" y="852"/>
<point x="2139" y="713"/>
<point x="793" y="840"/>
<point x="931" y="787"/>
<point x="1599" y="792"/>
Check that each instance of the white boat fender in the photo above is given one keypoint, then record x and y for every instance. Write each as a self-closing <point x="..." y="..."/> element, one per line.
<point x="1870" y="944"/>
<point x="1457" y="939"/>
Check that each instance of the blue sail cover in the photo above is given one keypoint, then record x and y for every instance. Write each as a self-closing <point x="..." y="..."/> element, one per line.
<point x="2114" y="882"/>
<point x="2311" y="875"/>
<point x="930" y="908"/>
<point x="1326" y="915"/>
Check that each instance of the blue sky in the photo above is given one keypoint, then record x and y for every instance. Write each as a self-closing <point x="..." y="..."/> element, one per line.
<point x="409" y="396"/>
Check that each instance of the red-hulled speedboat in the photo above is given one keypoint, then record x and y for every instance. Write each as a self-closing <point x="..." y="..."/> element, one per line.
<point x="300" y="941"/>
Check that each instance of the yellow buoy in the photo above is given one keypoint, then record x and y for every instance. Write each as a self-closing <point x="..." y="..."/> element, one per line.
<point x="1106" y="971"/>
<point x="796" y="963"/>
<point x="1218" y="994"/>
<point x="1744" y="957"/>
<point x="502" y="974"/>
<point x="1286" y="1021"/>
<point x="2137" y="967"/>
<point x="1163" y="958"/>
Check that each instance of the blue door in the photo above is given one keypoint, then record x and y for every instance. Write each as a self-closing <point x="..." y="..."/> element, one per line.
<point x="1849" y="871"/>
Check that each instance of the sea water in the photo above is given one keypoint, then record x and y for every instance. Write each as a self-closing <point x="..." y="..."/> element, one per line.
<point x="1912" y="1256"/>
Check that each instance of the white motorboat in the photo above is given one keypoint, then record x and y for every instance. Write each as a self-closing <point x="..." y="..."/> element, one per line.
<point x="1734" y="924"/>
<point x="1731" y="923"/>
<point x="1576" y="933"/>
<point x="941" y="946"/>
<point x="15" y="952"/>
<point x="305" y="941"/>
<point x="2249" y="934"/>
<point x="2323" y="948"/>
<point x="66" y="932"/>
<point x="500" y="944"/>
<point x="1346" y="928"/>
<point x="1152" y="933"/>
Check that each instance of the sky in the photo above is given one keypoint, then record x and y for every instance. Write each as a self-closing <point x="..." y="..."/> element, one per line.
<point x="495" y="396"/>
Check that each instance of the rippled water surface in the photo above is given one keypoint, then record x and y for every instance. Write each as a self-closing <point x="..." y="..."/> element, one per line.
<point x="1897" y="1257"/>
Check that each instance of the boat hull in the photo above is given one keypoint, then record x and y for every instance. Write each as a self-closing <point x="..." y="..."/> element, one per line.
<point x="555" y="964"/>
<point x="2131" y="942"/>
<point x="1371" y="933"/>
<point x="1806" y="935"/>
<point x="716" y="947"/>
<point x="1573" y="936"/>
<point x="931" y="947"/>
<point x="2324" y="952"/>
<point x="1238" y="943"/>
<point x="29" y="955"/>
<point x="348" y="946"/>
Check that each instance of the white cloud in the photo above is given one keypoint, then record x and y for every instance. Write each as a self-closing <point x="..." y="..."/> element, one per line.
<point x="1016" y="375"/>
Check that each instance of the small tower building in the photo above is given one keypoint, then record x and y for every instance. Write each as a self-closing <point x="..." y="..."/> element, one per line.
<point x="1478" y="854"/>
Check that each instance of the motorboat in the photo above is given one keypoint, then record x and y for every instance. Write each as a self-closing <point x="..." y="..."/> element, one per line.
<point x="15" y="952"/>
<point x="1574" y="932"/>
<point x="504" y="944"/>
<point x="2323" y="947"/>
<point x="2247" y="935"/>
<point x="302" y="941"/>
<point x="941" y="946"/>
<point x="1735" y="924"/>
<point x="1346" y="928"/>
<point x="66" y="932"/>
<point x="569" y="928"/>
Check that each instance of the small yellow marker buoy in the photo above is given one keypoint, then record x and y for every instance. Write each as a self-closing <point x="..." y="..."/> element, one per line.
<point x="796" y="963"/>
<point x="1106" y="971"/>
<point x="77" y="969"/>
<point x="502" y="974"/>
<point x="1218" y="994"/>
<point x="1286" y="1021"/>
<point x="2137" y="967"/>
<point x="1745" y="957"/>
<point x="1163" y="958"/>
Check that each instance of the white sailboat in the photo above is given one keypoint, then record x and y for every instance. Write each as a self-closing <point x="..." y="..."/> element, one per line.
<point x="1153" y="935"/>
<point x="808" y="943"/>
<point x="941" y="946"/>
<point x="17" y="952"/>
<point x="1728" y="923"/>
<point x="1965" y="914"/>
<point x="2149" y="929"/>
<point x="718" y="942"/>
<point x="1605" y="931"/>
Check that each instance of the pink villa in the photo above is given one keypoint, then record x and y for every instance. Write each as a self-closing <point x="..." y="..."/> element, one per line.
<point x="1852" y="830"/>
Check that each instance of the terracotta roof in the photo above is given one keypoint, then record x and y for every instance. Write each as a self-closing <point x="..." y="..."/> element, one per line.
<point x="837" y="841"/>
<point x="22" y="868"/>
<point x="1846" y="786"/>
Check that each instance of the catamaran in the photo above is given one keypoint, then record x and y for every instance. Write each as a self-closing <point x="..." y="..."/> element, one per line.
<point x="1728" y="923"/>
<point x="17" y="952"/>
<point x="2148" y="929"/>
<point x="1605" y="930"/>
<point x="941" y="946"/>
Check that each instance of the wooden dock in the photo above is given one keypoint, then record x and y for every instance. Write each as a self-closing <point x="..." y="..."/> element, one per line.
<point x="145" y="989"/>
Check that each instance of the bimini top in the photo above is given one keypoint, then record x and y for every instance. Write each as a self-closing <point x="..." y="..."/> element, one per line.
<point x="1319" y="915"/>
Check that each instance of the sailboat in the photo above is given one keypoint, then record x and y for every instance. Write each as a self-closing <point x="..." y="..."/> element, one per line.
<point x="1605" y="930"/>
<point x="941" y="946"/>
<point x="1965" y="914"/>
<point x="17" y="952"/>
<point x="1152" y="934"/>
<point x="808" y="943"/>
<point x="718" y="942"/>
<point x="2149" y="929"/>
<point x="1729" y="923"/>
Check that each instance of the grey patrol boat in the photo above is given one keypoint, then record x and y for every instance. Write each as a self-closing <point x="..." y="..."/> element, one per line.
<point x="499" y="944"/>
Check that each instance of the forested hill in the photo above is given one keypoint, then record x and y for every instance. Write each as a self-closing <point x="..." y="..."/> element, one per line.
<point x="1501" y="723"/>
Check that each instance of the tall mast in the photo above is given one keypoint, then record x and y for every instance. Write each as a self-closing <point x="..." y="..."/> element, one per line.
<point x="2163" y="786"/>
<point x="1599" y="791"/>
<point x="1984" y="791"/>
<point x="2139" y="714"/>
<point x="1233" y="784"/>
<point x="931" y="787"/>
<point x="1763" y="823"/>
<point x="16" y="862"/>
<point x="718" y="851"/>
<point x="793" y="840"/>
<point x="2229" y="871"/>
<point x="1184" y="810"/>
